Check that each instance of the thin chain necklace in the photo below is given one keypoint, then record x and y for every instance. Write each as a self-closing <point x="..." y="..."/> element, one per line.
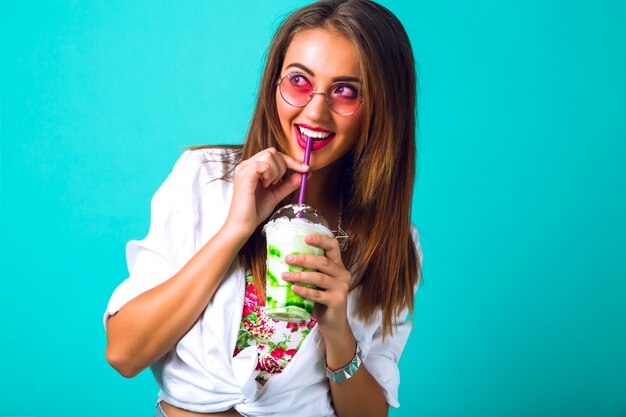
<point x="340" y="234"/>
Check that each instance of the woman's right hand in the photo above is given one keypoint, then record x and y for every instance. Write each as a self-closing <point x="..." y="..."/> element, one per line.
<point x="260" y="186"/>
<point x="151" y="324"/>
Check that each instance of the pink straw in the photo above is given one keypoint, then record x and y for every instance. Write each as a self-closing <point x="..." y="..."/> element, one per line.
<point x="307" y="158"/>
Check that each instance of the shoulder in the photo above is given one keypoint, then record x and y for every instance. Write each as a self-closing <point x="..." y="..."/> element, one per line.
<point x="209" y="162"/>
<point x="198" y="174"/>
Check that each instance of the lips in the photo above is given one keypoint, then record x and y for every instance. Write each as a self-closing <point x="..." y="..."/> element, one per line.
<point x="318" y="143"/>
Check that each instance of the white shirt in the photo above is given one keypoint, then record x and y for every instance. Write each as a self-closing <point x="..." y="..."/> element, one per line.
<point x="200" y="373"/>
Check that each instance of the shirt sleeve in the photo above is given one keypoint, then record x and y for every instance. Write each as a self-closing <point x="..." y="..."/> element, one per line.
<point x="170" y="241"/>
<point x="383" y="357"/>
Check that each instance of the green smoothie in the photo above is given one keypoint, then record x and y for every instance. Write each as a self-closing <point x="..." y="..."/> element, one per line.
<point x="285" y="235"/>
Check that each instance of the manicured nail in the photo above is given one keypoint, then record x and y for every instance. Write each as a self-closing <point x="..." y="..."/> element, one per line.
<point x="290" y="258"/>
<point x="287" y="275"/>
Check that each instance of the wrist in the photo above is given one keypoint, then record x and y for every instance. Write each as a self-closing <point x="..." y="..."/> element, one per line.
<point x="236" y="231"/>
<point x="233" y="235"/>
<point x="340" y="349"/>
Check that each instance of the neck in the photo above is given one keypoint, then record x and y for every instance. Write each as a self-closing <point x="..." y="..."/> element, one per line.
<point x="322" y="193"/>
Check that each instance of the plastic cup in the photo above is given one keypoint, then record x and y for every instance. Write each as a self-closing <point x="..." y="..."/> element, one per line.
<point x="284" y="234"/>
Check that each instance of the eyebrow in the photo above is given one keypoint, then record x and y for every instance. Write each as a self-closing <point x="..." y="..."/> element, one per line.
<point x="310" y="72"/>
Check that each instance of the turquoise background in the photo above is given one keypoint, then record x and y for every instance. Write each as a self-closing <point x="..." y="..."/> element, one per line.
<point x="520" y="199"/>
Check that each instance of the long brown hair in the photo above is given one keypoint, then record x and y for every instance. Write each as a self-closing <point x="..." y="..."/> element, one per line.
<point x="378" y="174"/>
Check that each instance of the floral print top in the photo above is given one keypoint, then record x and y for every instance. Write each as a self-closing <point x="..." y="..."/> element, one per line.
<point x="277" y="341"/>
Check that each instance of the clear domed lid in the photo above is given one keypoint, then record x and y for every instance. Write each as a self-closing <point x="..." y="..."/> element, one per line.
<point x="302" y="212"/>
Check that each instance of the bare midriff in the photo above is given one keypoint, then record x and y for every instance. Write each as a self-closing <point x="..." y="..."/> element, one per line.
<point x="172" y="411"/>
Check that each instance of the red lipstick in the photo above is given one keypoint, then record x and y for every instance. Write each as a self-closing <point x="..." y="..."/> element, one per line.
<point x="317" y="143"/>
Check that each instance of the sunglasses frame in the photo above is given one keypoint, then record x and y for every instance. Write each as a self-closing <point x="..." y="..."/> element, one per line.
<point x="313" y="93"/>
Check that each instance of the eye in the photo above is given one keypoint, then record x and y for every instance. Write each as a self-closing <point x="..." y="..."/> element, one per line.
<point x="299" y="81"/>
<point x="345" y="91"/>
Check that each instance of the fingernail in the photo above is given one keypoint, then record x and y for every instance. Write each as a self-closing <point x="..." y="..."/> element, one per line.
<point x="287" y="275"/>
<point x="290" y="258"/>
<point x="304" y="166"/>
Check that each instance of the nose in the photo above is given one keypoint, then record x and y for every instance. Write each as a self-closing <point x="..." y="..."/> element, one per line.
<point x="317" y="109"/>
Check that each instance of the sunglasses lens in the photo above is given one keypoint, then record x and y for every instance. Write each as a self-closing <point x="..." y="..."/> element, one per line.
<point x="296" y="89"/>
<point x="344" y="98"/>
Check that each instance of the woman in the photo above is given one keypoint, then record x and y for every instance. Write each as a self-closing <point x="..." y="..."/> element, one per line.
<point x="342" y="73"/>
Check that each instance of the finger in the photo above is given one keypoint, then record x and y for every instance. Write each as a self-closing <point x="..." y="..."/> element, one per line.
<point x="248" y="174"/>
<point x="311" y="294"/>
<point x="286" y="187"/>
<point x="329" y="244"/>
<point x="319" y="263"/>
<point x="264" y="154"/>
<point x="270" y="155"/>
<point x="317" y="279"/>
<point x="267" y="171"/>
<point x="277" y="164"/>
<point x="328" y="299"/>
<point x="262" y="169"/>
<point x="280" y="163"/>
<point x="293" y="164"/>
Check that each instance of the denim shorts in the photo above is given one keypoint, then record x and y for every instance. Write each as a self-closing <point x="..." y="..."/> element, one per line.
<point x="159" y="411"/>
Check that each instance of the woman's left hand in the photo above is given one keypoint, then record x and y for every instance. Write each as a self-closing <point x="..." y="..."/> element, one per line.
<point x="332" y="280"/>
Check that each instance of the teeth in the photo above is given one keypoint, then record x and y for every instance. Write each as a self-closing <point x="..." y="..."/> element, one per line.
<point x="313" y="134"/>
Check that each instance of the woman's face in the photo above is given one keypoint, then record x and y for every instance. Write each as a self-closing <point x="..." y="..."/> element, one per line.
<point x="321" y="58"/>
